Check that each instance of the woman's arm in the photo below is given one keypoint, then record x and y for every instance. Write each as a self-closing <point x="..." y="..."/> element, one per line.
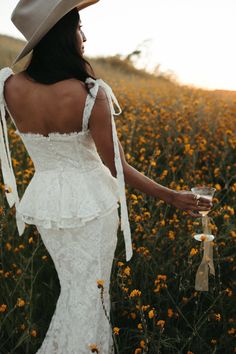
<point x="144" y="184"/>
<point x="101" y="131"/>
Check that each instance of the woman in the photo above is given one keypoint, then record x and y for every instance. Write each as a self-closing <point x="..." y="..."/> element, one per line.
<point x="65" y="119"/>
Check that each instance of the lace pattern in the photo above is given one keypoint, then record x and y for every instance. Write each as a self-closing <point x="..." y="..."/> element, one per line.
<point x="81" y="257"/>
<point x="53" y="135"/>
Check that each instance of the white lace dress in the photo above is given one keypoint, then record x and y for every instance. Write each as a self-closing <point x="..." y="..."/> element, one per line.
<point x="73" y="200"/>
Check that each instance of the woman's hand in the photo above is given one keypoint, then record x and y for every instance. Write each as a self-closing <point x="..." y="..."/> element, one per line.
<point x="186" y="200"/>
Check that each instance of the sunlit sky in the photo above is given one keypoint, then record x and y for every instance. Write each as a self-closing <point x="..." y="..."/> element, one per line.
<point x="195" y="39"/>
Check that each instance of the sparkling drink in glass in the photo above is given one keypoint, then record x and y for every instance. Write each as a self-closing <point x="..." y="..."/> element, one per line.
<point x="205" y="192"/>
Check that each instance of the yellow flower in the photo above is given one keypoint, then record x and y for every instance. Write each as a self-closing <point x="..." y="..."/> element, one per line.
<point x="31" y="240"/>
<point x="233" y="187"/>
<point x="137" y="218"/>
<point x="217" y="186"/>
<point x="100" y="283"/>
<point x="171" y="235"/>
<point x="151" y="314"/>
<point x="138" y="351"/>
<point x="147" y="214"/>
<point x="33" y="333"/>
<point x="231" y="210"/>
<point x="193" y="252"/>
<point x="153" y="163"/>
<point x="161" y="277"/>
<point x="8" y="246"/>
<point x="116" y="331"/>
<point x="165" y="173"/>
<point x="143" y="250"/>
<point x="93" y="348"/>
<point x="188" y="150"/>
<point x="128" y="156"/>
<point x="3" y="308"/>
<point x="127" y="271"/>
<point x="135" y="293"/>
<point x="145" y="307"/>
<point x="142" y="344"/>
<point x="229" y="132"/>
<point x="20" y="302"/>
<point x="120" y="264"/>
<point x="44" y="258"/>
<point x="140" y="326"/>
<point x="125" y="289"/>
<point x="217" y="316"/>
<point x="232" y="331"/>
<point x="161" y="323"/>
<point x="229" y="292"/>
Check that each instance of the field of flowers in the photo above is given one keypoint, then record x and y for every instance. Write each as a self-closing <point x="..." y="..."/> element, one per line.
<point x="180" y="137"/>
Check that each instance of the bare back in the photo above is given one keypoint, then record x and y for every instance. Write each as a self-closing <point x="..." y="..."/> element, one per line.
<point x="39" y="108"/>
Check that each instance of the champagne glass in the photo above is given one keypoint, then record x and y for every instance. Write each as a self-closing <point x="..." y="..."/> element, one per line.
<point x="205" y="192"/>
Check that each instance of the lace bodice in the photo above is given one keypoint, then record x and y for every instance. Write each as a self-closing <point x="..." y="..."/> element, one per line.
<point x="62" y="152"/>
<point x="71" y="185"/>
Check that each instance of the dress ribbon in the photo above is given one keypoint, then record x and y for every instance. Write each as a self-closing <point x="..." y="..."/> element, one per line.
<point x="125" y="225"/>
<point x="5" y="156"/>
<point x="207" y="264"/>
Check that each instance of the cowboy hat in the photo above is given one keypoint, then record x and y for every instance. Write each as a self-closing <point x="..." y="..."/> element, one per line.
<point x="35" y="18"/>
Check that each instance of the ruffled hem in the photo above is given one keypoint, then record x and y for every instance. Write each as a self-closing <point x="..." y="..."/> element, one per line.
<point x="64" y="223"/>
<point x="68" y="199"/>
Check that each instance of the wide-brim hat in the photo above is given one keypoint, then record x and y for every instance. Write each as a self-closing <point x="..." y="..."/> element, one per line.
<point x="36" y="17"/>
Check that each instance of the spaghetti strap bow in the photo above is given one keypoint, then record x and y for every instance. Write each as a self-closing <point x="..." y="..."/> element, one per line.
<point x="5" y="156"/>
<point x="125" y="225"/>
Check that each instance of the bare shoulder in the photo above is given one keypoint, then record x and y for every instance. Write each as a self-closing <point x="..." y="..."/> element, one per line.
<point x="12" y="81"/>
<point x="61" y="104"/>
<point x="101" y="95"/>
<point x="12" y="86"/>
<point x="72" y="90"/>
<point x="101" y="109"/>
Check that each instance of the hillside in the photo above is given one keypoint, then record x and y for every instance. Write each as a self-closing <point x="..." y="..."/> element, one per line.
<point x="104" y="67"/>
<point x="9" y="47"/>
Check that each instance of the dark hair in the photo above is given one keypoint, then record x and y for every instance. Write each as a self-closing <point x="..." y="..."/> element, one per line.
<point x="57" y="56"/>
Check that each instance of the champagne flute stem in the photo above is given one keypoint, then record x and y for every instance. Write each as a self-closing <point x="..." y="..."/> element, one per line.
<point x="205" y="224"/>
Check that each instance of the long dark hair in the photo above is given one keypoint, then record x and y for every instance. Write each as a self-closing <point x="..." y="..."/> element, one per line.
<point x="57" y="56"/>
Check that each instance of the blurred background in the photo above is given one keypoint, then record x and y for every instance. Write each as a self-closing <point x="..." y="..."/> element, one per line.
<point x="190" y="40"/>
